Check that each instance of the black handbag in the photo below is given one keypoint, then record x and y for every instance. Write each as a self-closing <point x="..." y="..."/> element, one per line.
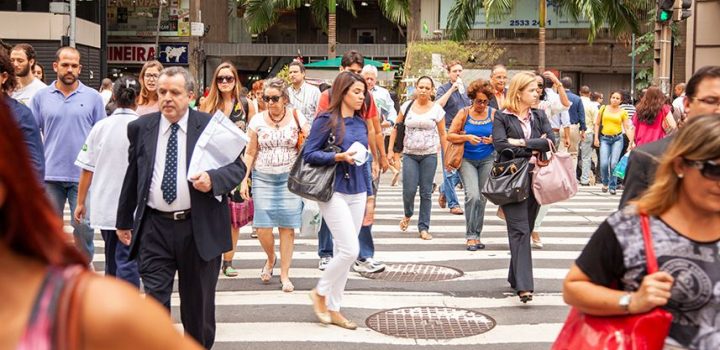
<point x="508" y="182"/>
<point x="398" y="146"/>
<point x="314" y="182"/>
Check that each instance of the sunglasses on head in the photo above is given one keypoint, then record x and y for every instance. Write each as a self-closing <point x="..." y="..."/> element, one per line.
<point x="267" y="99"/>
<point x="226" y="79"/>
<point x="709" y="169"/>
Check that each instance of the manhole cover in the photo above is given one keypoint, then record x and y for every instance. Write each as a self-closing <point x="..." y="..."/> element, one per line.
<point x="414" y="273"/>
<point x="430" y="322"/>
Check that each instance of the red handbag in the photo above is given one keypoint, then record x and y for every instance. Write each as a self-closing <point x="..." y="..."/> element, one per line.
<point x="634" y="332"/>
<point x="241" y="213"/>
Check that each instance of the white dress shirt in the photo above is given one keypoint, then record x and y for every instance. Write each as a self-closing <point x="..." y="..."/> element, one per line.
<point x="155" y="199"/>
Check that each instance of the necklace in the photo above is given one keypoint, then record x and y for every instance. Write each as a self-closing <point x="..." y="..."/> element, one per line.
<point x="276" y="121"/>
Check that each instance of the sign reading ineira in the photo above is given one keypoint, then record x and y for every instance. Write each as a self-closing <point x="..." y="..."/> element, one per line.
<point x="141" y="53"/>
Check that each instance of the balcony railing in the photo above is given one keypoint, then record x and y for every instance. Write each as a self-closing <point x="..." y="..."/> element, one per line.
<point x="291" y="50"/>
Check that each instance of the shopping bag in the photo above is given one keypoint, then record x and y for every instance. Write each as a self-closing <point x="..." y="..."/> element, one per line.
<point x="311" y="219"/>
<point x="621" y="166"/>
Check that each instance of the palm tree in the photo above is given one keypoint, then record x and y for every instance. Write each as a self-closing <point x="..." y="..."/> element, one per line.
<point x="263" y="14"/>
<point x="619" y="16"/>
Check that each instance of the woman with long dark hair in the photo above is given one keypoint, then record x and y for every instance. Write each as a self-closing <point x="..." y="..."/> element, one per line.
<point x="653" y="117"/>
<point x="39" y="270"/>
<point x="225" y="96"/>
<point x="609" y="137"/>
<point x="424" y="136"/>
<point x="343" y="126"/>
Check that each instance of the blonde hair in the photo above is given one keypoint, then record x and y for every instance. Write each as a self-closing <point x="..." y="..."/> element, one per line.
<point x="146" y="95"/>
<point x="518" y="83"/>
<point x="699" y="140"/>
<point x="214" y="99"/>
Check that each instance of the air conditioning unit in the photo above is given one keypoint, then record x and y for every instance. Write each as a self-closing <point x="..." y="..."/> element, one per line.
<point x="60" y="8"/>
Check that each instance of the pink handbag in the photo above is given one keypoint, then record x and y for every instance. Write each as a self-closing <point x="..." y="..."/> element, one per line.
<point x="241" y="213"/>
<point x="557" y="181"/>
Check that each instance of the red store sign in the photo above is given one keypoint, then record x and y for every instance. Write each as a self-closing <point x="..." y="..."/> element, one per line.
<point x="130" y="53"/>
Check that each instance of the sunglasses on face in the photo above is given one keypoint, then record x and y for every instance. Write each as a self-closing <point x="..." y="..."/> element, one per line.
<point x="709" y="169"/>
<point x="274" y="99"/>
<point x="480" y="102"/>
<point x="226" y="79"/>
<point x="152" y="76"/>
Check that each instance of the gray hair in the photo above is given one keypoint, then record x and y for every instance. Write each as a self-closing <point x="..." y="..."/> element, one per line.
<point x="189" y="80"/>
<point x="369" y="68"/>
<point x="279" y="85"/>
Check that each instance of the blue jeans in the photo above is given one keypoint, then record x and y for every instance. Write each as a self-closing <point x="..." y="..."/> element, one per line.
<point x="610" y="152"/>
<point x="367" y="246"/>
<point x="450" y="181"/>
<point x="474" y="175"/>
<point x="60" y="192"/>
<point x="419" y="171"/>
<point x="116" y="259"/>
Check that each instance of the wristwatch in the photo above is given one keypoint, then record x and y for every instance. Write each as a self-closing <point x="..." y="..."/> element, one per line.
<point x="624" y="302"/>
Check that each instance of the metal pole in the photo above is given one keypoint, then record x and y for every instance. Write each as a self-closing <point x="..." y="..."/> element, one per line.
<point x="632" y="69"/>
<point x="157" y="33"/>
<point x="73" y="10"/>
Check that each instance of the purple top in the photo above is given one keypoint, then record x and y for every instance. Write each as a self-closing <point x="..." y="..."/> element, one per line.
<point x="65" y="123"/>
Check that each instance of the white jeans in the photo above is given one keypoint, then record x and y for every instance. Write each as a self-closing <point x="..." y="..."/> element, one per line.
<point x="343" y="215"/>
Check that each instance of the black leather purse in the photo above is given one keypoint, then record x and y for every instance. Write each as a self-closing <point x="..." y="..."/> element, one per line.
<point x="508" y="182"/>
<point x="314" y="182"/>
<point x="398" y="146"/>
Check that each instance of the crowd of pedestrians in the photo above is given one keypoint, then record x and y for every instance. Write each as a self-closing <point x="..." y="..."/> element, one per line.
<point x="158" y="220"/>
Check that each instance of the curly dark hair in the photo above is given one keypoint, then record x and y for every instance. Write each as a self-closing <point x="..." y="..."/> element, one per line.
<point x="6" y="67"/>
<point x="480" y="86"/>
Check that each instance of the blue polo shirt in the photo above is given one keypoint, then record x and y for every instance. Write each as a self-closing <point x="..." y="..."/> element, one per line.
<point x="456" y="102"/>
<point x="65" y="123"/>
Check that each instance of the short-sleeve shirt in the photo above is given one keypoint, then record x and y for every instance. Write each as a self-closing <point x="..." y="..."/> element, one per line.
<point x="105" y="154"/>
<point x="612" y="123"/>
<point x="25" y="94"/>
<point x="65" y="123"/>
<point x="277" y="149"/>
<point x="369" y="110"/>
<point x="615" y="256"/>
<point x="305" y="100"/>
<point x="456" y="102"/>
<point x="421" y="134"/>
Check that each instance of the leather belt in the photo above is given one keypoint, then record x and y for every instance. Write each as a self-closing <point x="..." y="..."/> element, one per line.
<point x="556" y="130"/>
<point x="173" y="215"/>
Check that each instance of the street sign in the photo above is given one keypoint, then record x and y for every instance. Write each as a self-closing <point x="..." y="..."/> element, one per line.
<point x="141" y="52"/>
<point x="197" y="29"/>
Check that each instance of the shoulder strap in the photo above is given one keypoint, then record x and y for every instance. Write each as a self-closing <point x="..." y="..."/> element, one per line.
<point x="652" y="265"/>
<point x="245" y="105"/>
<point x="68" y="318"/>
<point x="407" y="109"/>
<point x="295" y="116"/>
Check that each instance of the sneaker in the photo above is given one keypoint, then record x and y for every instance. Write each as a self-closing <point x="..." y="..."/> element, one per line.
<point x="368" y="266"/>
<point x="324" y="261"/>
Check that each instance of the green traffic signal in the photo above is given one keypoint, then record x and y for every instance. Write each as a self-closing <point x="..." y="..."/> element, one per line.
<point x="665" y="16"/>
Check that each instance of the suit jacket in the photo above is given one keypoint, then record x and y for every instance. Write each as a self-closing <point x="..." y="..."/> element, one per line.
<point x="210" y="218"/>
<point x="641" y="167"/>
<point x="507" y="126"/>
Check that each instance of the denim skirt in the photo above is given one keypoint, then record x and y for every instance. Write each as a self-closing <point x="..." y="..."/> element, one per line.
<point x="275" y="205"/>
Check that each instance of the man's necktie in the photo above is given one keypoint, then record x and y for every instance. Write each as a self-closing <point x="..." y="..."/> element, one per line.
<point x="169" y="180"/>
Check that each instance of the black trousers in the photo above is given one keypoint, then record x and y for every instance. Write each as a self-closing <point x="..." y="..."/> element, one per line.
<point x="520" y="220"/>
<point x="168" y="246"/>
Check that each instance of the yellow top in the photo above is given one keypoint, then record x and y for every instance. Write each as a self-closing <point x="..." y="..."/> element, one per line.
<point x="612" y="122"/>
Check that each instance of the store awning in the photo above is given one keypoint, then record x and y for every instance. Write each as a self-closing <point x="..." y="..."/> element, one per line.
<point x="335" y="63"/>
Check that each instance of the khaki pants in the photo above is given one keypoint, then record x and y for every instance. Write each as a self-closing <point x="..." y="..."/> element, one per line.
<point x="574" y="143"/>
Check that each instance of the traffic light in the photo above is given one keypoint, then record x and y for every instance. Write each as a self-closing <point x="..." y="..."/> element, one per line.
<point x="683" y="10"/>
<point x="665" y="10"/>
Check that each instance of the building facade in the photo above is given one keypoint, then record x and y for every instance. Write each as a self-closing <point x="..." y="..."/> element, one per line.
<point x="30" y="21"/>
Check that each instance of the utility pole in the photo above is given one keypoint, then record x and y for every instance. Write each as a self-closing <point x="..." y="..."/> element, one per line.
<point x="73" y="13"/>
<point x="667" y="11"/>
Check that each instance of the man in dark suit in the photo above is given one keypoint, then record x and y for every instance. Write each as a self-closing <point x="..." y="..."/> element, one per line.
<point x="178" y="225"/>
<point x="702" y="97"/>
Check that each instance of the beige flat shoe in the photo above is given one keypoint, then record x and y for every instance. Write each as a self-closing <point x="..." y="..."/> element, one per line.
<point x="344" y="323"/>
<point x="404" y="224"/>
<point x="323" y="316"/>
<point x="287" y="287"/>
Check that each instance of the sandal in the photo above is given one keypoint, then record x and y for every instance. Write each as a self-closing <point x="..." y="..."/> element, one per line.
<point x="404" y="223"/>
<point x="425" y="235"/>
<point x="287" y="287"/>
<point x="228" y="270"/>
<point x="395" y="179"/>
<point x="266" y="275"/>
<point x="456" y="211"/>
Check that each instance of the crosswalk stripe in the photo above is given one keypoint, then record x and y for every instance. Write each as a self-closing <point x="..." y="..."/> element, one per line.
<point x="247" y="332"/>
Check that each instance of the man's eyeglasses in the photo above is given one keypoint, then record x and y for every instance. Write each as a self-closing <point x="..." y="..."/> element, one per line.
<point x="710" y="100"/>
<point x="152" y="76"/>
<point x="709" y="169"/>
<point x="274" y="99"/>
<point x="226" y="79"/>
<point x="481" y="102"/>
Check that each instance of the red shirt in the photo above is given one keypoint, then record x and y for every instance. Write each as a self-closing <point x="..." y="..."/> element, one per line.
<point x="369" y="110"/>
